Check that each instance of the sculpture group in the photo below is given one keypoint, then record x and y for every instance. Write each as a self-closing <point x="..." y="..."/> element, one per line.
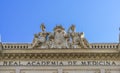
<point x="59" y="38"/>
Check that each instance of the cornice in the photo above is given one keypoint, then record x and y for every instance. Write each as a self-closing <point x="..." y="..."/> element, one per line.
<point x="60" y="51"/>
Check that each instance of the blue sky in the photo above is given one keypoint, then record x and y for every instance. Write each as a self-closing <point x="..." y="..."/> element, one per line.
<point x="98" y="19"/>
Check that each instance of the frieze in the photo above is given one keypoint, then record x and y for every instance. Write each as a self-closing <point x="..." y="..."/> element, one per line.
<point x="60" y="63"/>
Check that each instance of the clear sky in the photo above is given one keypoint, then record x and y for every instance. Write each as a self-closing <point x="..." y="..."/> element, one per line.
<point x="98" y="19"/>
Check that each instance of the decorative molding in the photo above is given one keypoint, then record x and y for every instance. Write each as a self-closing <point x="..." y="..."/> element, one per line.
<point x="63" y="56"/>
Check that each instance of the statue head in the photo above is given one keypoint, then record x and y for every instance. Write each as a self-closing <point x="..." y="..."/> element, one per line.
<point x="42" y="26"/>
<point x="73" y="28"/>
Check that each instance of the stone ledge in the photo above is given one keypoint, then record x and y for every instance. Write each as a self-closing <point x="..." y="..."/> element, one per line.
<point x="61" y="51"/>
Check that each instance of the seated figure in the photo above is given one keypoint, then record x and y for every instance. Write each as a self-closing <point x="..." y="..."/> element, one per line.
<point x="36" y="41"/>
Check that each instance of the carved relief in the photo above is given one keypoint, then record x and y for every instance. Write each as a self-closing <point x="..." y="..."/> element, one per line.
<point x="59" y="38"/>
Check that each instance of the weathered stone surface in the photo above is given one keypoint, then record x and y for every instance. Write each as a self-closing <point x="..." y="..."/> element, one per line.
<point x="59" y="52"/>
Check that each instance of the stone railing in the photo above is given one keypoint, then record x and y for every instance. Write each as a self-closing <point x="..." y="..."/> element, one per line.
<point x="16" y="45"/>
<point x="104" y="45"/>
<point x="29" y="46"/>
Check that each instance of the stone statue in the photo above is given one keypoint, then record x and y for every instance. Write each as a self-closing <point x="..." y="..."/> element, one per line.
<point x="42" y="27"/>
<point x="59" y="38"/>
<point x="74" y="36"/>
<point x="50" y="42"/>
<point x="36" y="41"/>
<point x="83" y="42"/>
<point x="73" y="28"/>
<point x="40" y="40"/>
<point x="75" y="40"/>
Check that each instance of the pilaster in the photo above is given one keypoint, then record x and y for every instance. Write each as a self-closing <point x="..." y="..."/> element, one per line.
<point x="60" y="70"/>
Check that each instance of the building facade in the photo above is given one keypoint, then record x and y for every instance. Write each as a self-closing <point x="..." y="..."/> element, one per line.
<point x="59" y="52"/>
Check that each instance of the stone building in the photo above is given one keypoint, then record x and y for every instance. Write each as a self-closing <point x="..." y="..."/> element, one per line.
<point x="59" y="52"/>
